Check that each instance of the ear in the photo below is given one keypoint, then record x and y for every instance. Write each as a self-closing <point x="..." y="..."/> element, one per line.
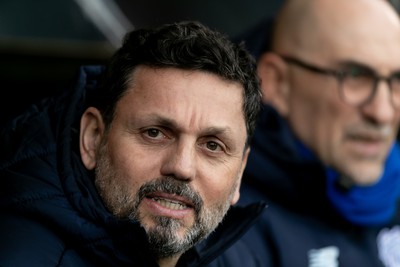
<point x="91" y="132"/>
<point x="273" y="73"/>
<point x="236" y="197"/>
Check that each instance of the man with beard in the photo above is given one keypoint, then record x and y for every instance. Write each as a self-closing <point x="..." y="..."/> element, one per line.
<point x="324" y="155"/>
<point x="139" y="163"/>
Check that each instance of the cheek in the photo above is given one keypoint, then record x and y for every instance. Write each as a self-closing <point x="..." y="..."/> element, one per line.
<point x="315" y="107"/>
<point x="218" y="185"/>
<point x="319" y="125"/>
<point x="133" y="163"/>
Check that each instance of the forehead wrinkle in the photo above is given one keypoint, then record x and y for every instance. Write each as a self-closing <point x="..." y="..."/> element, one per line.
<point x="207" y="123"/>
<point x="216" y="131"/>
<point x="161" y="120"/>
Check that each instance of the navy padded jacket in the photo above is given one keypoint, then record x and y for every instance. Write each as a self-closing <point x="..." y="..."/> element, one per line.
<point x="51" y="213"/>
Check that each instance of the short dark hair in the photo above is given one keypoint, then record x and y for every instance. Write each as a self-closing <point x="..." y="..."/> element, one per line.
<point x="185" y="45"/>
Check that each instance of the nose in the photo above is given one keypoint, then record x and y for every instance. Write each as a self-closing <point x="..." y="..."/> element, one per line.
<point x="180" y="162"/>
<point x="380" y="108"/>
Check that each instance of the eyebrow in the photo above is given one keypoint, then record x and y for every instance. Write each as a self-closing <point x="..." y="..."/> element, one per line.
<point x="365" y="67"/>
<point x="163" y="121"/>
<point x="353" y="63"/>
<point x="209" y="131"/>
<point x="217" y="131"/>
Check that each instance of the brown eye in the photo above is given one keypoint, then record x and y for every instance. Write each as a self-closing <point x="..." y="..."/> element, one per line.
<point x="212" y="146"/>
<point x="395" y="77"/>
<point x="355" y="72"/>
<point x="359" y="75"/>
<point x="153" y="132"/>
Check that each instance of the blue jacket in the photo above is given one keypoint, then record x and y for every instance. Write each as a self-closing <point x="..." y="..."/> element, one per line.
<point x="303" y="226"/>
<point x="51" y="213"/>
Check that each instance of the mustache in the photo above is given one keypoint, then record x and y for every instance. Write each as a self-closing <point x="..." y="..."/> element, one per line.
<point x="172" y="185"/>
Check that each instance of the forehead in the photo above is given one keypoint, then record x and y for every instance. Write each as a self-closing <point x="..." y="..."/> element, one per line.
<point x="362" y="31"/>
<point x="194" y="99"/>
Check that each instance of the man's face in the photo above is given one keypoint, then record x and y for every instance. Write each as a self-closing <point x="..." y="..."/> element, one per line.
<point x="174" y="155"/>
<point x="355" y="140"/>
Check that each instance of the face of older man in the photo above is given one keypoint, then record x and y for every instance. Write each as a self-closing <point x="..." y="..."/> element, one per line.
<point x="359" y="38"/>
<point x="174" y="155"/>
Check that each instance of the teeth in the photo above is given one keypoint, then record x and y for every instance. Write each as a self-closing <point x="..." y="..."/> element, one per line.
<point x="170" y="204"/>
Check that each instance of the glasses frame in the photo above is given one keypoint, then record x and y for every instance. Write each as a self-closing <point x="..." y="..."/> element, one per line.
<point x="341" y="76"/>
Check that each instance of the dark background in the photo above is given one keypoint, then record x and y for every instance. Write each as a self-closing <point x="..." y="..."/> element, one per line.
<point x="43" y="42"/>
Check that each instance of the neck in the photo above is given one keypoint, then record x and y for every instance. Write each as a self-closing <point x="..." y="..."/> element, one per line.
<point x="168" y="262"/>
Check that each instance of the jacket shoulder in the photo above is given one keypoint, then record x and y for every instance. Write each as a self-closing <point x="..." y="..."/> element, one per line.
<point x="28" y="242"/>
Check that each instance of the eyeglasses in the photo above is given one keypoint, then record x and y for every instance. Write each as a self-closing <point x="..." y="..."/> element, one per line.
<point x="357" y="83"/>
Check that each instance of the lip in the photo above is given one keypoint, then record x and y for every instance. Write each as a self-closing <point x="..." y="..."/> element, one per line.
<point x="155" y="203"/>
<point x="367" y="147"/>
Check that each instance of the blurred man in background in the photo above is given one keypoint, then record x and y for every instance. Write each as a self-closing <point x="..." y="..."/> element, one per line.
<point x="324" y="155"/>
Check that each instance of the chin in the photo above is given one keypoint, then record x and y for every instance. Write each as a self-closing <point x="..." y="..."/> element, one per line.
<point x="366" y="175"/>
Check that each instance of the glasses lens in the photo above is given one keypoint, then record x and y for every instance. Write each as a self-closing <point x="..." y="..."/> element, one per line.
<point x="357" y="87"/>
<point x="395" y="88"/>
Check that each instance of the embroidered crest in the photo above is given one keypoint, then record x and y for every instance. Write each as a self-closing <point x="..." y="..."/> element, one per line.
<point x="388" y="241"/>
<point x="323" y="257"/>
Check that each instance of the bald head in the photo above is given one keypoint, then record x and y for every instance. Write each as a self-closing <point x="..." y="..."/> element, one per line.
<point x="356" y="37"/>
<point x="306" y="26"/>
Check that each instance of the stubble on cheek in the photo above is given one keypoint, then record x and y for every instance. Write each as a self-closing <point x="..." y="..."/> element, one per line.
<point x="113" y="187"/>
<point x="167" y="236"/>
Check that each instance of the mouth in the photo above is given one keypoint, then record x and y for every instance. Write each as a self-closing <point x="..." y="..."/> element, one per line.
<point x="167" y="204"/>
<point x="368" y="145"/>
<point x="370" y="134"/>
<point x="170" y="204"/>
<point x="167" y="198"/>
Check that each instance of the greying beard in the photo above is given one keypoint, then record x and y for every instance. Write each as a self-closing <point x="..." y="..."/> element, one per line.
<point x="164" y="243"/>
<point x="163" y="238"/>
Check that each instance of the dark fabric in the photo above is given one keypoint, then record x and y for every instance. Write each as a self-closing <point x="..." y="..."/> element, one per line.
<point x="301" y="226"/>
<point x="50" y="212"/>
